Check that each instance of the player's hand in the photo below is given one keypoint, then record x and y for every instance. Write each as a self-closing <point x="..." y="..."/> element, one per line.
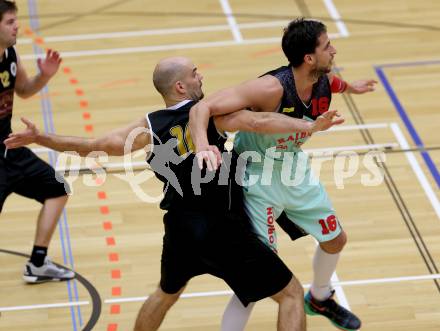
<point x="362" y="86"/>
<point x="211" y="156"/>
<point x="50" y="65"/>
<point x="327" y="120"/>
<point x="25" y="137"/>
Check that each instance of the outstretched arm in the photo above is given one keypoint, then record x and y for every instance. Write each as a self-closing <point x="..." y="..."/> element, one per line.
<point x="361" y="86"/>
<point x="25" y="87"/>
<point x="113" y="143"/>
<point x="266" y="122"/>
<point x="262" y="94"/>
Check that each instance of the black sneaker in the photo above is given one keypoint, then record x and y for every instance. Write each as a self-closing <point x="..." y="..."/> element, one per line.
<point x="338" y="315"/>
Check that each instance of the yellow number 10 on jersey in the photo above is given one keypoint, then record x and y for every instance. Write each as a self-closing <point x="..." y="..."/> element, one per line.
<point x="184" y="141"/>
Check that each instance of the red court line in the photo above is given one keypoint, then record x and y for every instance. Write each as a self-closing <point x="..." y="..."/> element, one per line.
<point x="118" y="83"/>
<point x="88" y="128"/>
<point x="265" y="52"/>
<point x="28" y="32"/>
<point x="113" y="257"/>
<point x="39" y="40"/>
<point x="116" y="291"/>
<point x="107" y="225"/>
<point x="110" y="241"/>
<point x="102" y="195"/>
<point x="115" y="309"/>
<point x="116" y="274"/>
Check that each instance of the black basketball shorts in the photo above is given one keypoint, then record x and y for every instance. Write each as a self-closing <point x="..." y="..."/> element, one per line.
<point x="22" y="172"/>
<point x="197" y="243"/>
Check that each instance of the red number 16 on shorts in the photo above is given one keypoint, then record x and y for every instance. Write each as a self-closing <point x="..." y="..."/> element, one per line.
<point x="329" y="225"/>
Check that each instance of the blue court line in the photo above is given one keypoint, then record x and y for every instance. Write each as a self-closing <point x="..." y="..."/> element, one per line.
<point x="49" y="128"/>
<point x="63" y="225"/>
<point x="410" y="64"/>
<point x="403" y="114"/>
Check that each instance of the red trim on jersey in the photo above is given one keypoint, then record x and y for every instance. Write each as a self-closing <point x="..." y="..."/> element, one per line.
<point x="338" y="85"/>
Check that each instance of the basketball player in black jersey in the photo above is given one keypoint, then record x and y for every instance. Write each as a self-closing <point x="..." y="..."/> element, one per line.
<point x="301" y="90"/>
<point x="21" y="171"/>
<point x="205" y="232"/>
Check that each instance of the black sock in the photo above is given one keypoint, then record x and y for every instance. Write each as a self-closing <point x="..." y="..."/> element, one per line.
<point x="38" y="255"/>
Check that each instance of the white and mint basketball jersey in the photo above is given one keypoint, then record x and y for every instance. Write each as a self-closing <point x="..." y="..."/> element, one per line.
<point x="291" y="105"/>
<point x="287" y="184"/>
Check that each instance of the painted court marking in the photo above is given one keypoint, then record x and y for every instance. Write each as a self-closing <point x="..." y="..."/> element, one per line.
<point x="430" y="194"/>
<point x="231" y="21"/>
<point x="155" y="32"/>
<point x="362" y="282"/>
<point x="337" y="18"/>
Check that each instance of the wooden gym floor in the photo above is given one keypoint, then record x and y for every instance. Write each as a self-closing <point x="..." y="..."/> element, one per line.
<point x="388" y="272"/>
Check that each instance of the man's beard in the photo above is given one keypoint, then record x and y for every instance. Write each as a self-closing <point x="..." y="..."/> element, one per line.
<point x="197" y="97"/>
<point x="319" y="72"/>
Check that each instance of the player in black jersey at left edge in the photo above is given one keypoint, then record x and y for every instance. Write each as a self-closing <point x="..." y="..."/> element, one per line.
<point x="21" y="171"/>
<point x="198" y="237"/>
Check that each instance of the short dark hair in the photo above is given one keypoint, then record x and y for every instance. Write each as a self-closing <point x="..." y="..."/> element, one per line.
<point x="301" y="38"/>
<point x="7" y="6"/>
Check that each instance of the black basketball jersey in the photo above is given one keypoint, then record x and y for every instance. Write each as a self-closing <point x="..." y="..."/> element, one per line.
<point x="173" y="162"/>
<point x="292" y="105"/>
<point x="8" y="72"/>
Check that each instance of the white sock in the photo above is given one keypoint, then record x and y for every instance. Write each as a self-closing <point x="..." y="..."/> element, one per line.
<point x="324" y="265"/>
<point x="236" y="315"/>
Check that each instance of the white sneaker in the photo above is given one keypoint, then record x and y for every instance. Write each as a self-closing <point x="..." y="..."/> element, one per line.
<point x="48" y="272"/>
